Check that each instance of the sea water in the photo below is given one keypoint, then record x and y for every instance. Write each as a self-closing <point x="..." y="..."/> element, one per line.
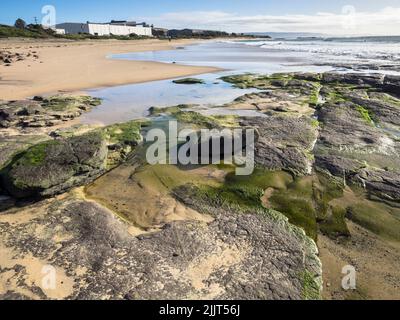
<point x="128" y="102"/>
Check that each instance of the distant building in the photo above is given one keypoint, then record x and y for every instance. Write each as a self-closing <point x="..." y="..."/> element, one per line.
<point x="60" y="31"/>
<point x="117" y="28"/>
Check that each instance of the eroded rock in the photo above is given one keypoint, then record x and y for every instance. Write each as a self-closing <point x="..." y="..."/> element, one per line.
<point x="284" y="143"/>
<point x="44" y="112"/>
<point x="189" y="81"/>
<point x="235" y="257"/>
<point x="380" y="183"/>
<point x="54" y="166"/>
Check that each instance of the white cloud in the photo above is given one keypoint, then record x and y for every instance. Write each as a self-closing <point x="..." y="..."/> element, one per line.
<point x="349" y="21"/>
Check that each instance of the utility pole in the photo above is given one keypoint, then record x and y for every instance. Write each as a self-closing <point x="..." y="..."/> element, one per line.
<point x="36" y="21"/>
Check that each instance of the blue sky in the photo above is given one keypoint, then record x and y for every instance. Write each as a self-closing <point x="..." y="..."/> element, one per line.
<point x="230" y="15"/>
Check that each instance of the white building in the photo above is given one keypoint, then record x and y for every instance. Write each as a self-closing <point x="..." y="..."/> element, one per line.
<point x="117" y="28"/>
<point x="60" y="31"/>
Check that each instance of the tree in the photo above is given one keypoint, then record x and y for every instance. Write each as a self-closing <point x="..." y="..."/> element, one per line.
<point x="20" y="24"/>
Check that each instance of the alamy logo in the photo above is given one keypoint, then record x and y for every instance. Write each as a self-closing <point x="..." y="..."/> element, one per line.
<point x="349" y="280"/>
<point x="49" y="277"/>
<point x="349" y="17"/>
<point x="49" y="16"/>
<point x="203" y="147"/>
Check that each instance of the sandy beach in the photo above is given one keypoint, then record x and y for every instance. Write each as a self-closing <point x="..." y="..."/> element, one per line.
<point x="52" y="66"/>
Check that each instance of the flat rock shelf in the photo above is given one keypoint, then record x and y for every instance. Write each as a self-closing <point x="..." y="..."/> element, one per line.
<point x="82" y="198"/>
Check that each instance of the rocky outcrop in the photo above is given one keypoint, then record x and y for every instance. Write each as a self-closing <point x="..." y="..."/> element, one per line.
<point x="11" y="145"/>
<point x="387" y="83"/>
<point x="7" y="58"/>
<point x="358" y="120"/>
<point x="362" y="66"/>
<point x="188" y="81"/>
<point x="55" y="166"/>
<point x="383" y="184"/>
<point x="391" y="83"/>
<point x="44" y="112"/>
<point x="344" y="127"/>
<point x="305" y="81"/>
<point x="358" y="139"/>
<point x="68" y="160"/>
<point x="284" y="143"/>
<point x="353" y="79"/>
<point x="235" y="257"/>
<point x="338" y="166"/>
<point x="351" y="146"/>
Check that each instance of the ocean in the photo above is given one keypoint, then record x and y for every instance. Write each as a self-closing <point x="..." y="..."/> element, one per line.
<point x="360" y="49"/>
<point x="130" y="102"/>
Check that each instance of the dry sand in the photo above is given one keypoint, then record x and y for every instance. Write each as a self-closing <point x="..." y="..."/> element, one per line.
<point x="71" y="66"/>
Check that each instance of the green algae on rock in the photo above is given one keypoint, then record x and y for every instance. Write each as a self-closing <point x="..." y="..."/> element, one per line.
<point x="10" y="146"/>
<point x="44" y="112"/>
<point x="320" y="144"/>
<point x="122" y="139"/>
<point x="186" y="115"/>
<point x="54" y="166"/>
<point x="189" y="81"/>
<point x="357" y="126"/>
<point x="72" y="159"/>
<point x="154" y="111"/>
<point x="225" y="203"/>
<point x="96" y="253"/>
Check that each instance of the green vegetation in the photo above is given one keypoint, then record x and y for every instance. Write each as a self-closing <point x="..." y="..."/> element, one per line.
<point x="314" y="98"/>
<point x="315" y="123"/>
<point x="189" y="81"/>
<point x="244" y="192"/>
<point x="296" y="203"/>
<point x="304" y="201"/>
<point x="238" y="197"/>
<point x="37" y="31"/>
<point x="293" y="198"/>
<point x="335" y="226"/>
<point x="12" y="32"/>
<point x="261" y="178"/>
<point x="249" y="80"/>
<point x="62" y="103"/>
<point x="299" y="211"/>
<point x="365" y="114"/>
<point x="35" y="155"/>
<point x="325" y="190"/>
<point x="311" y="287"/>
<point x="390" y="99"/>
<point x="383" y="97"/>
<point x="126" y="133"/>
<point x="195" y="118"/>
<point x="336" y="96"/>
<point x="379" y="218"/>
<point x="168" y="110"/>
<point x="122" y="140"/>
<point x="331" y="219"/>
<point x="20" y="24"/>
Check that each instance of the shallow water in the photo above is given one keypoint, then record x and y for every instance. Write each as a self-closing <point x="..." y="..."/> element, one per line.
<point x="128" y="102"/>
<point x="123" y="103"/>
<point x="234" y="56"/>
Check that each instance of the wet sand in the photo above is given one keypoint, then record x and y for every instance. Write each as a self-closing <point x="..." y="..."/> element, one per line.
<point x="54" y="66"/>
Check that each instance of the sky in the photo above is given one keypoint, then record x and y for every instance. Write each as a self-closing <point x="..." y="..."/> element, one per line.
<point x="339" y="17"/>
